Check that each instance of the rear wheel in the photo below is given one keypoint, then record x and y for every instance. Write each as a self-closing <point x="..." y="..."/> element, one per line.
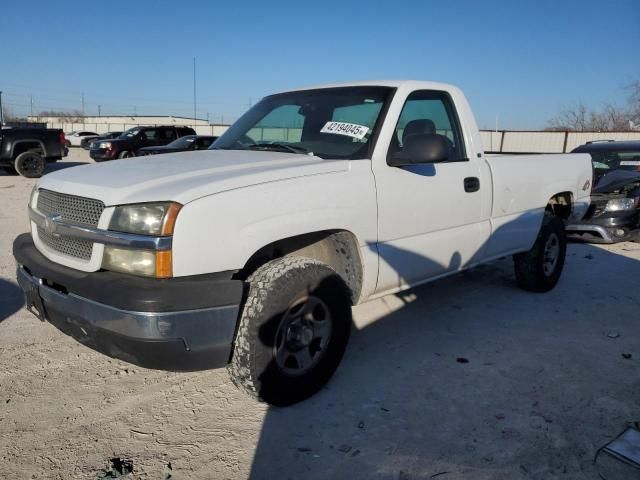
<point x="30" y="164"/>
<point x="293" y="330"/>
<point x="539" y="269"/>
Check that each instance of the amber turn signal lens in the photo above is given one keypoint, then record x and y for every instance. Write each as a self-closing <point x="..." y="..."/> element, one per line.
<point x="164" y="260"/>
<point x="170" y="219"/>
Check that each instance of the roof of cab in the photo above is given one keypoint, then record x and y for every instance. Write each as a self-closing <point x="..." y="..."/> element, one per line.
<point x="412" y="84"/>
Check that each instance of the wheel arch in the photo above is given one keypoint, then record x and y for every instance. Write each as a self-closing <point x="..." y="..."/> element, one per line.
<point x="24" y="145"/>
<point x="561" y="204"/>
<point x="337" y="248"/>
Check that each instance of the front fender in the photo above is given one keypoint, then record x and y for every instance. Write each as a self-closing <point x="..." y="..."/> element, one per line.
<point x="221" y="232"/>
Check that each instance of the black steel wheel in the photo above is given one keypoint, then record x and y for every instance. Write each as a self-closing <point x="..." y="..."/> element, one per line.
<point x="539" y="269"/>
<point x="293" y="330"/>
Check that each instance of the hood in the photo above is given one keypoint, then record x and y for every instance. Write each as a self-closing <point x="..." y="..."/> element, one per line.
<point x="185" y="176"/>
<point x="614" y="180"/>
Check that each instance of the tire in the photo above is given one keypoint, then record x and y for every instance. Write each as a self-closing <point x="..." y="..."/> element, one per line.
<point x="276" y="358"/>
<point x="30" y="164"/>
<point x="126" y="154"/>
<point x="539" y="269"/>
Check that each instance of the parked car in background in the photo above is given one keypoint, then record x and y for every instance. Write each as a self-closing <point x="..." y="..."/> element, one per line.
<point x="73" y="139"/>
<point x="86" y="141"/>
<point x="183" y="144"/>
<point x="614" y="214"/>
<point x="27" y="150"/>
<point x="253" y="253"/>
<point x="131" y="141"/>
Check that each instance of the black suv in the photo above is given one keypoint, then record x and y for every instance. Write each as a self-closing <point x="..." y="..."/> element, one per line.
<point x="128" y="144"/>
<point x="614" y="214"/>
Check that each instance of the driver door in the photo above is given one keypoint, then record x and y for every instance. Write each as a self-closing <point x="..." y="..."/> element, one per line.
<point x="430" y="215"/>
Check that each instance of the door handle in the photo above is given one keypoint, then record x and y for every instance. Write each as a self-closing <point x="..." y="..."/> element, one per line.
<point x="471" y="184"/>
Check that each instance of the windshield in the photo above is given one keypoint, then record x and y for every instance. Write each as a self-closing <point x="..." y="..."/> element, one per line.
<point x="182" y="142"/>
<point x="132" y="132"/>
<point x="616" y="160"/>
<point x="329" y="122"/>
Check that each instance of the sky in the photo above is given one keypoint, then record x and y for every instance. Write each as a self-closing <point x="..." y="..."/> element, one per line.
<point x="518" y="62"/>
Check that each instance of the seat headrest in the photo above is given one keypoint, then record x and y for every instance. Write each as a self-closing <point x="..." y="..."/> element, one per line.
<point x="418" y="127"/>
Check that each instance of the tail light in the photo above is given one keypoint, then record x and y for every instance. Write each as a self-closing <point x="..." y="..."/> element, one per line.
<point x="62" y="138"/>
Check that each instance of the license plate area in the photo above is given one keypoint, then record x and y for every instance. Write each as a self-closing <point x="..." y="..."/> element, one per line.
<point x="33" y="300"/>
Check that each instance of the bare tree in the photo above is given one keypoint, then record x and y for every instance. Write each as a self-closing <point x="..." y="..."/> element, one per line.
<point x="9" y="116"/>
<point x="71" y="116"/>
<point x="580" y="118"/>
<point x="575" y="118"/>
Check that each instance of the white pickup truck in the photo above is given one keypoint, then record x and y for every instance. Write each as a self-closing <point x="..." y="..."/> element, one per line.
<point x="250" y="254"/>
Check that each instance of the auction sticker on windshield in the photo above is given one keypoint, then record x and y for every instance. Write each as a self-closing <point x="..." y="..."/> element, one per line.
<point x="349" y="129"/>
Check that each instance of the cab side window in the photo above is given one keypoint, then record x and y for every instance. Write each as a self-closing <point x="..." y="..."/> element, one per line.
<point x="150" y="134"/>
<point x="424" y="113"/>
<point x="167" y="134"/>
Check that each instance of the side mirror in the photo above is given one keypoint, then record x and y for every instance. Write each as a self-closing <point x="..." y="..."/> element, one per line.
<point x="418" y="149"/>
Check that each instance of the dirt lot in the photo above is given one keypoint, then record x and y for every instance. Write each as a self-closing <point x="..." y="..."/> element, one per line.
<point x="467" y="378"/>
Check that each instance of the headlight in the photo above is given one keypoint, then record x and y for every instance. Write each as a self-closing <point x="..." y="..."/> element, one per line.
<point x="156" y="219"/>
<point x="32" y="199"/>
<point x="146" y="218"/>
<point x="619" y="204"/>
<point x="106" y="145"/>
<point x="138" y="262"/>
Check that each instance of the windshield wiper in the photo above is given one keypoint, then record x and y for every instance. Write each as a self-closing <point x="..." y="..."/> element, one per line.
<point x="279" y="147"/>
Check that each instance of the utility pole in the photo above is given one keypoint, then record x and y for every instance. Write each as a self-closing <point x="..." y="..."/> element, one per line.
<point x="1" y="111"/>
<point x="83" y="105"/>
<point x="99" y="110"/>
<point x="31" y="104"/>
<point x="194" y="90"/>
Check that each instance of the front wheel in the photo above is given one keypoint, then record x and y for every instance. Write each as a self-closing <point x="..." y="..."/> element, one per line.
<point x="126" y="154"/>
<point x="539" y="269"/>
<point x="293" y="330"/>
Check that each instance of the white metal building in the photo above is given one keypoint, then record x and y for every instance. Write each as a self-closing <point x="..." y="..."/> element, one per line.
<point x="124" y="119"/>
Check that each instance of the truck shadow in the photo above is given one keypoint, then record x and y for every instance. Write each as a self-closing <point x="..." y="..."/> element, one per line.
<point x="470" y="377"/>
<point x="11" y="299"/>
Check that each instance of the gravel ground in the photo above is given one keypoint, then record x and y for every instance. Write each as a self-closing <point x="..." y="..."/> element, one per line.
<point x="466" y="378"/>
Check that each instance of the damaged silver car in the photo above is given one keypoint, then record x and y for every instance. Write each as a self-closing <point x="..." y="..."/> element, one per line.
<point x="614" y="214"/>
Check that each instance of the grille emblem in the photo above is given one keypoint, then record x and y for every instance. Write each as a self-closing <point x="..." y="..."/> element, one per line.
<point x="50" y="225"/>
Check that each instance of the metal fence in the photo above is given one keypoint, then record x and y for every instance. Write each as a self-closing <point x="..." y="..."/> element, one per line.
<point x="510" y="141"/>
<point x="501" y="141"/>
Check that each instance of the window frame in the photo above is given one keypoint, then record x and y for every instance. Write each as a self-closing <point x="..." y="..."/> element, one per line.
<point x="454" y="119"/>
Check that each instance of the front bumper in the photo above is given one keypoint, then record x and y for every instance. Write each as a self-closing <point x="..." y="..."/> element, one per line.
<point x="179" y="324"/>
<point x="612" y="229"/>
<point x="100" y="155"/>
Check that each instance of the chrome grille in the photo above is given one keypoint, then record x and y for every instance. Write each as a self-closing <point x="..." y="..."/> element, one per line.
<point x="74" y="209"/>
<point x="69" y="246"/>
<point x="84" y="211"/>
